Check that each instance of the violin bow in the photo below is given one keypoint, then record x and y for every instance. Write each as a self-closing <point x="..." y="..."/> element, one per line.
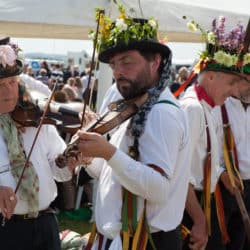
<point x="246" y="39"/>
<point x="46" y="109"/>
<point x="101" y="12"/>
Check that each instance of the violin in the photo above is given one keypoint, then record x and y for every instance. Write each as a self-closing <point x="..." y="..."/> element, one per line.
<point x="29" y="111"/>
<point x="29" y="115"/>
<point x="118" y="112"/>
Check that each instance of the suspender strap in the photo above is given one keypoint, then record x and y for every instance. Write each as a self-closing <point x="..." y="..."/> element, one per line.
<point x="207" y="181"/>
<point x="168" y="102"/>
<point x="91" y="237"/>
<point x="229" y="150"/>
<point x="221" y="214"/>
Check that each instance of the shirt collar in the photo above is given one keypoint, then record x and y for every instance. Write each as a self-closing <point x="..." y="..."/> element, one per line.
<point x="202" y="95"/>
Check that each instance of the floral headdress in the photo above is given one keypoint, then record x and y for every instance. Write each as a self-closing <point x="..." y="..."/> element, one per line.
<point x="126" y="33"/>
<point x="224" y="51"/>
<point x="11" y="61"/>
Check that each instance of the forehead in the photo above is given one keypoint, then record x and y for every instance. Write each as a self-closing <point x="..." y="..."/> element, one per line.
<point x="244" y="77"/>
<point x="8" y="79"/>
<point x="125" y="54"/>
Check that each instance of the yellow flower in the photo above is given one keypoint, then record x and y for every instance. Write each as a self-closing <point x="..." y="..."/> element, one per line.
<point x="191" y="26"/>
<point x="219" y="56"/>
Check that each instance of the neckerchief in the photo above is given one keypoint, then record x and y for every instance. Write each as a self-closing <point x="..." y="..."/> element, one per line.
<point x="29" y="187"/>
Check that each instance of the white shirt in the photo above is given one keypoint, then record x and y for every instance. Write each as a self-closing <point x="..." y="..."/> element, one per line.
<point x="165" y="144"/>
<point x="239" y="120"/>
<point x="111" y="95"/>
<point x="196" y="112"/>
<point x="85" y="80"/>
<point x="48" y="145"/>
<point x="35" y="85"/>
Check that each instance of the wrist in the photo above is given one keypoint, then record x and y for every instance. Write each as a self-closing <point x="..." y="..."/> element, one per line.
<point x="109" y="152"/>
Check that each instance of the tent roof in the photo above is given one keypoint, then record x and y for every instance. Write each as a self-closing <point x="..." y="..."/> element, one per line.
<point x="73" y="19"/>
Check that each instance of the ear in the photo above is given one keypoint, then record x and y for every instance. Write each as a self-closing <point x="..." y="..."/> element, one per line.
<point x="156" y="62"/>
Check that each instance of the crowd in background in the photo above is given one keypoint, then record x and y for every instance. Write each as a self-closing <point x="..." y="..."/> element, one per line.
<point x="71" y="82"/>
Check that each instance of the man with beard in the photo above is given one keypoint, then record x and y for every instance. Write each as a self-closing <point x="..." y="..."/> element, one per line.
<point x="143" y="169"/>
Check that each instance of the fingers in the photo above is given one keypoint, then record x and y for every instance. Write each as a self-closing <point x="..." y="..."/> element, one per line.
<point x="72" y="163"/>
<point x="198" y="245"/>
<point x="10" y="204"/>
<point x="88" y="136"/>
<point x="8" y="201"/>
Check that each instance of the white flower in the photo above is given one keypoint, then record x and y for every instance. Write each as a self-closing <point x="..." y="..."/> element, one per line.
<point x="91" y="35"/>
<point x="246" y="59"/>
<point x="7" y="55"/>
<point x="211" y="38"/>
<point x="191" y="26"/>
<point x="152" y="23"/>
<point x="121" y="25"/>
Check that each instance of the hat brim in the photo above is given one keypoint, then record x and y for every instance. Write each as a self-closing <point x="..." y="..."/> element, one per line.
<point x="230" y="70"/>
<point x="143" y="45"/>
<point x="9" y="71"/>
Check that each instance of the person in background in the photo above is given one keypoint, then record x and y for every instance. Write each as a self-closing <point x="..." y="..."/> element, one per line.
<point x="78" y="87"/>
<point x="182" y="75"/>
<point x="146" y="161"/>
<point x="43" y="77"/>
<point x="44" y="65"/>
<point x="25" y="211"/>
<point x="219" y="77"/>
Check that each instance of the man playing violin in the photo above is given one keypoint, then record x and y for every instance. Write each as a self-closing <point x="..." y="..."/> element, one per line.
<point x="143" y="170"/>
<point x="27" y="221"/>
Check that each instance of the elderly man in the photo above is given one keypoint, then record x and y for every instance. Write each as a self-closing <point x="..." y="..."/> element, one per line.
<point x="28" y="223"/>
<point x="220" y="76"/>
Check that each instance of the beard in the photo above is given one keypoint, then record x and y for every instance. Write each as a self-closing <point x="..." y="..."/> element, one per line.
<point x="131" y="88"/>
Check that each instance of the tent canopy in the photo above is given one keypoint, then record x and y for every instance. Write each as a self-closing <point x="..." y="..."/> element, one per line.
<point x="69" y="19"/>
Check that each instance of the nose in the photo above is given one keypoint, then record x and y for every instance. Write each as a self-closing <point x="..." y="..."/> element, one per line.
<point x="117" y="71"/>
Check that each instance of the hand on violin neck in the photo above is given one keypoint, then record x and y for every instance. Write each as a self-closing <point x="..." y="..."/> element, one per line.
<point x="94" y="145"/>
<point x="89" y="116"/>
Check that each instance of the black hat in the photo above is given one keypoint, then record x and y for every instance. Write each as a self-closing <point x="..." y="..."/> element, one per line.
<point x="128" y="33"/>
<point x="4" y="40"/>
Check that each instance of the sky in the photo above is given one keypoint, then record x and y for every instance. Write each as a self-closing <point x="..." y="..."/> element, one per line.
<point x="182" y="52"/>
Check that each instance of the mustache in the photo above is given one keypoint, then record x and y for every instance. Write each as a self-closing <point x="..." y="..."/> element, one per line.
<point x="124" y="79"/>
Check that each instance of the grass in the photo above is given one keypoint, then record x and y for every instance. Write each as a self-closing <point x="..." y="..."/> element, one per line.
<point x="81" y="227"/>
<point x="77" y="220"/>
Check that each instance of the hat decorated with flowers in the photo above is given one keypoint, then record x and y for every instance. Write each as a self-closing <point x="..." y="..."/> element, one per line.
<point x="225" y="51"/>
<point x="127" y="33"/>
<point x="11" y="62"/>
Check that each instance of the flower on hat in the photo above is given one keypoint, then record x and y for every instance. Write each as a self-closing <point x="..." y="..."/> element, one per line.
<point x="7" y="55"/>
<point x="224" y="50"/>
<point x="124" y="29"/>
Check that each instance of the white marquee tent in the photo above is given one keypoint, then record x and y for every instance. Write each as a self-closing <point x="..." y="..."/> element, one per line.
<point x="73" y="18"/>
